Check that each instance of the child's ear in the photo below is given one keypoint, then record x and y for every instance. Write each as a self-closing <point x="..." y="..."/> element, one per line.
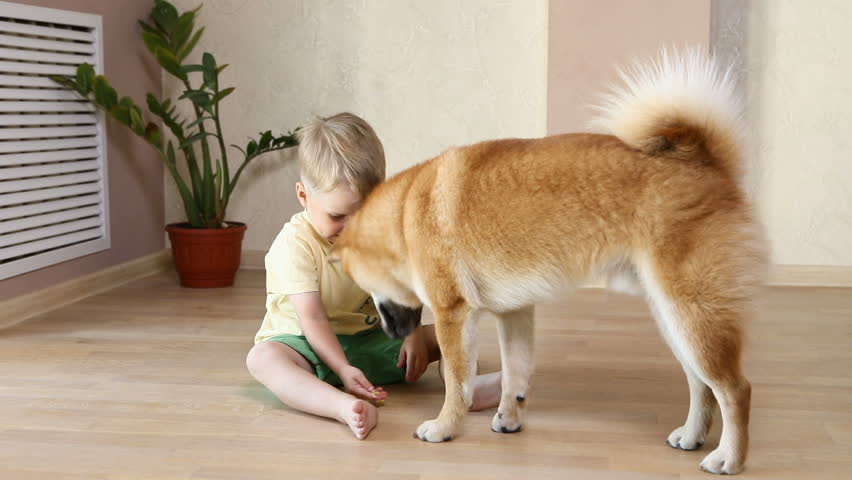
<point x="302" y="194"/>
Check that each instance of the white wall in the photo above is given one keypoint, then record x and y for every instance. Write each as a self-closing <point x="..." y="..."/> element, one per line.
<point x="795" y="66"/>
<point x="426" y="75"/>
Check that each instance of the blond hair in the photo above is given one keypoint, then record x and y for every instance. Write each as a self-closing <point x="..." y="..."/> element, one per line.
<point x="341" y="149"/>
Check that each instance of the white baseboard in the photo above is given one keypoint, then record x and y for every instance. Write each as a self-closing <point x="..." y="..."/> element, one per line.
<point x="811" y="275"/>
<point x="779" y="275"/>
<point x="18" y="309"/>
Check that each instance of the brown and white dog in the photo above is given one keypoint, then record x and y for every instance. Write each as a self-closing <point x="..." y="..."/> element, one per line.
<point x="656" y="205"/>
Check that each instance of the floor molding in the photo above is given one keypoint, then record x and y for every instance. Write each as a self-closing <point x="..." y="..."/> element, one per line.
<point x="779" y="275"/>
<point x="18" y="309"/>
<point x="811" y="275"/>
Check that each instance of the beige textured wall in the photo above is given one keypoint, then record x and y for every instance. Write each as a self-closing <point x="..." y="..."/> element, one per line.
<point x="795" y="65"/>
<point x="426" y="75"/>
<point x="135" y="172"/>
<point x="431" y="76"/>
<point x="588" y="40"/>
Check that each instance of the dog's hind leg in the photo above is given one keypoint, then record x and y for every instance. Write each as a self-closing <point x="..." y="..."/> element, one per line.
<point x="700" y="313"/>
<point x="515" y="332"/>
<point x="702" y="404"/>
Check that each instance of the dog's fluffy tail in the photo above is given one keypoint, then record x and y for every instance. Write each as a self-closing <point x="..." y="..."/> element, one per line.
<point x="678" y="105"/>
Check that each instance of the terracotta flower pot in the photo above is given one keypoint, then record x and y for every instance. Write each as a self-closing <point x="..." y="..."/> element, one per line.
<point x="206" y="257"/>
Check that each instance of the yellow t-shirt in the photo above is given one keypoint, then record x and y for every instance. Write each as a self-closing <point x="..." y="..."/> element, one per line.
<point x="297" y="262"/>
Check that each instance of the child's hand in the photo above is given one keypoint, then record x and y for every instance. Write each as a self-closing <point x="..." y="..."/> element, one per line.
<point x="357" y="384"/>
<point x="414" y="356"/>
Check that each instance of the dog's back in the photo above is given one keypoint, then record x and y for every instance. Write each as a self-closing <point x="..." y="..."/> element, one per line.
<point x="541" y="215"/>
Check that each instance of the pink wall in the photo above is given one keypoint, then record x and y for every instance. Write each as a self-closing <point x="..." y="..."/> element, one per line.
<point x="587" y="39"/>
<point x="135" y="172"/>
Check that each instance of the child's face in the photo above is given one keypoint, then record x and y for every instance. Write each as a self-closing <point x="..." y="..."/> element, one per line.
<point x="329" y="211"/>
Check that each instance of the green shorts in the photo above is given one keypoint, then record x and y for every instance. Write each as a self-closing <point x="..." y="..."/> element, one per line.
<point x="371" y="351"/>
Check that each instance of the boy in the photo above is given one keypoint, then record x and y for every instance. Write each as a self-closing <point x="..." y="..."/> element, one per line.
<point x="320" y="329"/>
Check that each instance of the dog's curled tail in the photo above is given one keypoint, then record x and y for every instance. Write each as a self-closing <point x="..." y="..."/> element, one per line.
<point x="678" y="105"/>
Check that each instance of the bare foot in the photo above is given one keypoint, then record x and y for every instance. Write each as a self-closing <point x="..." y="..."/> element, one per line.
<point x="486" y="391"/>
<point x="361" y="417"/>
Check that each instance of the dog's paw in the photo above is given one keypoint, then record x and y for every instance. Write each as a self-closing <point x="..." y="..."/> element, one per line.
<point x="685" y="440"/>
<point x="506" y="423"/>
<point x="721" y="462"/>
<point x="434" y="431"/>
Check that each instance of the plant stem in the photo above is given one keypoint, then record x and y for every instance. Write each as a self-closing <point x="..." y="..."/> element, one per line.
<point x="226" y="177"/>
<point x="208" y="190"/>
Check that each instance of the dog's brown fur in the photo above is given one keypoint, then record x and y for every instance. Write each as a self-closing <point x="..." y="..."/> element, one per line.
<point x="501" y="225"/>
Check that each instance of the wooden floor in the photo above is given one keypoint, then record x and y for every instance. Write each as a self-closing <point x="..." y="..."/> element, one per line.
<point x="149" y="381"/>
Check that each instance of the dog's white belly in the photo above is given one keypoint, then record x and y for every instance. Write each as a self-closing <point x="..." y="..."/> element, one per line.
<point x="506" y="291"/>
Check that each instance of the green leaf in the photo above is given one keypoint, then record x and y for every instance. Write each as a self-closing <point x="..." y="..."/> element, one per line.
<point x="105" y="95"/>
<point x="210" y="75"/>
<point x="187" y="49"/>
<point x="136" y="122"/>
<point x="192" y="68"/>
<point x="127" y="102"/>
<point x="121" y="113"/>
<point x="265" y="140"/>
<point x="221" y="67"/>
<point x="201" y="94"/>
<point x="153" y="135"/>
<point x="222" y="94"/>
<point x="167" y="60"/>
<point x="147" y="27"/>
<point x="160" y="110"/>
<point x="182" y="30"/>
<point x="200" y="98"/>
<point x="165" y="15"/>
<point x="67" y="82"/>
<point x="153" y="104"/>
<point x="285" y="141"/>
<point x="153" y="41"/>
<point x="251" y="148"/>
<point x="85" y="78"/>
<point x="194" y="138"/>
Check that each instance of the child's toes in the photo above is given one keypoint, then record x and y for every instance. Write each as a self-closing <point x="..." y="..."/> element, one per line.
<point x="362" y="418"/>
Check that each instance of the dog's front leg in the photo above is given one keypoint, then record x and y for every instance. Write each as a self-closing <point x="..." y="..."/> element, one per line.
<point x="455" y="329"/>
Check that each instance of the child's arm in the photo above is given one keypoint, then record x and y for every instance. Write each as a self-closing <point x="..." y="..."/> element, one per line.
<point x="322" y="339"/>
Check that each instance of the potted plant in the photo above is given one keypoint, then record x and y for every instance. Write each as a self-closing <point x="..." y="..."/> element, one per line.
<point x="206" y="247"/>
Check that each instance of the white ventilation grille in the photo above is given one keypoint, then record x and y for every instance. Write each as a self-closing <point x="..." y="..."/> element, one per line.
<point x="53" y="195"/>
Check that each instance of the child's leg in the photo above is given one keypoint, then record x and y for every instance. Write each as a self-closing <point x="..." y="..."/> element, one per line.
<point x="486" y="388"/>
<point x="291" y="378"/>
